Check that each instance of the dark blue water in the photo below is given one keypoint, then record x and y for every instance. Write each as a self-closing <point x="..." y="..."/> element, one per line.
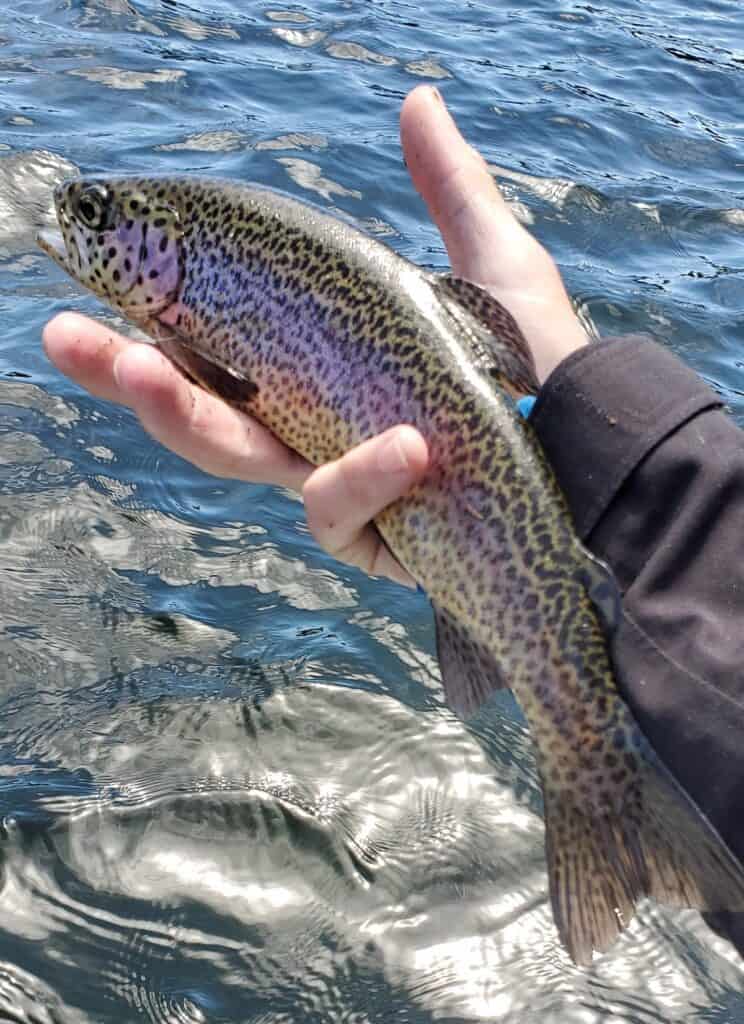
<point x="228" y="789"/>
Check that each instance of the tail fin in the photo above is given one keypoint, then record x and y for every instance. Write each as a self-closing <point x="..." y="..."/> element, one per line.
<point x="602" y="863"/>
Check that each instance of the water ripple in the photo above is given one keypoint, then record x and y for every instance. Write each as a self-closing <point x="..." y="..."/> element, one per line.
<point x="228" y="788"/>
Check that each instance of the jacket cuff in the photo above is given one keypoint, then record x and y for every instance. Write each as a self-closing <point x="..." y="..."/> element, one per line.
<point x="604" y="408"/>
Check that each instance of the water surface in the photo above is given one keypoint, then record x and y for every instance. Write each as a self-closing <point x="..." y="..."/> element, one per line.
<point x="229" y="791"/>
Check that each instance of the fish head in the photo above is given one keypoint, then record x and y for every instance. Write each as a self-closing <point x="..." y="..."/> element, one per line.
<point x="121" y="238"/>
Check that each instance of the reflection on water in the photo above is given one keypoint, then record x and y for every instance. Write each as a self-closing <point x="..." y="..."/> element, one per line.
<point x="207" y="142"/>
<point x="309" y="175"/>
<point x="118" y="78"/>
<point x="228" y="788"/>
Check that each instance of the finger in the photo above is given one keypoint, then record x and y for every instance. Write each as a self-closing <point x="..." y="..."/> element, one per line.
<point x="454" y="181"/>
<point x="201" y="427"/>
<point x="85" y="351"/>
<point x="343" y="496"/>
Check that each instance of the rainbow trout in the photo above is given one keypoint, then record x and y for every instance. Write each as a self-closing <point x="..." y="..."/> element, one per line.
<point x="328" y="337"/>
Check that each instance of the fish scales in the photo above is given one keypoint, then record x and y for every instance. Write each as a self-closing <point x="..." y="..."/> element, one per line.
<point x="328" y="337"/>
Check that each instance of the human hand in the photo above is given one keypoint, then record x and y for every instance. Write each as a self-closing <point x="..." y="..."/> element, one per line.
<point x="486" y="244"/>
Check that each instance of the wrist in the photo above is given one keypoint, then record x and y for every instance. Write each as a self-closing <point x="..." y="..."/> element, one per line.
<point x="569" y="338"/>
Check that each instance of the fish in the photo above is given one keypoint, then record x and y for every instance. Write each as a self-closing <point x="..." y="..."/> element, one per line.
<point x="329" y="337"/>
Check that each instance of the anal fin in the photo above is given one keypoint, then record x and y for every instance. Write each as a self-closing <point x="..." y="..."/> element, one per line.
<point x="470" y="673"/>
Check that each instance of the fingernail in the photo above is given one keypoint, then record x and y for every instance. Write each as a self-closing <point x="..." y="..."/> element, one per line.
<point x="121" y="377"/>
<point x="436" y="94"/>
<point x="392" y="457"/>
<point x="115" y="370"/>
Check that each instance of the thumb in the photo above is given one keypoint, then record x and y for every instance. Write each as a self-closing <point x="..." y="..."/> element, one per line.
<point x="485" y="241"/>
<point x="342" y="497"/>
<point x="463" y="199"/>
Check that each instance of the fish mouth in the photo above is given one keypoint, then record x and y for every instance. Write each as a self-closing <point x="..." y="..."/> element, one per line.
<point x="53" y="244"/>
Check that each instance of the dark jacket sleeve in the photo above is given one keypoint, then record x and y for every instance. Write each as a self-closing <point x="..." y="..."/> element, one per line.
<point x="653" y="469"/>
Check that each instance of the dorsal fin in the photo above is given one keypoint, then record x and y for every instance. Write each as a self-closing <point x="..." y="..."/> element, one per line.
<point x="499" y="348"/>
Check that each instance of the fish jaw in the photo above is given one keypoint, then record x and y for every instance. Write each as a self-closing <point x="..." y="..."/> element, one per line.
<point x="64" y="243"/>
<point x="51" y="242"/>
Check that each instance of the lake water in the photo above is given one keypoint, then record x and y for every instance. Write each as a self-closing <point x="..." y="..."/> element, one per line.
<point x="229" y="791"/>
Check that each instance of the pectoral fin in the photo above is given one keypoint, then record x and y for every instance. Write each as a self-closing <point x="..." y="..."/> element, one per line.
<point x="470" y="673"/>
<point x="234" y="388"/>
<point x="498" y="346"/>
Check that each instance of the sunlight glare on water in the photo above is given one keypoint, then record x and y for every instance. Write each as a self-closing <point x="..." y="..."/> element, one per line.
<point x="229" y="791"/>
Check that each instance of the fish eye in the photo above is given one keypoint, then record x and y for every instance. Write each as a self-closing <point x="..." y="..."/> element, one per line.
<point x="92" y="207"/>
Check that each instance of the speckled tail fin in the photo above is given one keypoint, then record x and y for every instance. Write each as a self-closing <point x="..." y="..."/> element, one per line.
<point x="499" y="349"/>
<point x="602" y="863"/>
<point x="469" y="672"/>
